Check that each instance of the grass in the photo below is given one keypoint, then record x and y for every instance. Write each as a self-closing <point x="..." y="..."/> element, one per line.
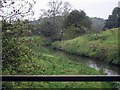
<point x="101" y="46"/>
<point x="45" y="62"/>
<point x="59" y="85"/>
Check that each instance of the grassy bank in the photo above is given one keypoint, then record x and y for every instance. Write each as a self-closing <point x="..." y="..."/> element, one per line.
<point x="101" y="46"/>
<point x="45" y="62"/>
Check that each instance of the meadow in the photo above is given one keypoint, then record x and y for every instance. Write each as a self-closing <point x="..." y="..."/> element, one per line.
<point x="100" y="46"/>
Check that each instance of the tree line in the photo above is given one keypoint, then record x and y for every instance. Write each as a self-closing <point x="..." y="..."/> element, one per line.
<point x="113" y="20"/>
<point x="60" y="21"/>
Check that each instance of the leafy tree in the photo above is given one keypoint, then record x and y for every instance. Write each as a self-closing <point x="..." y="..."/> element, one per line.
<point x="78" y="21"/>
<point x="74" y="18"/>
<point x="12" y="30"/>
<point x="113" y="20"/>
<point x="13" y="46"/>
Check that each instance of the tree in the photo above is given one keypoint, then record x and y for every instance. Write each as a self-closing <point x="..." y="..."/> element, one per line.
<point x="113" y="20"/>
<point x="54" y="10"/>
<point x="11" y="10"/>
<point x="77" y="18"/>
<point x="66" y="9"/>
<point x="55" y="14"/>
<point x="76" y="23"/>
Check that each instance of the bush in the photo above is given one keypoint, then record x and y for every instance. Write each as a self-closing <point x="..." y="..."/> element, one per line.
<point x="13" y="48"/>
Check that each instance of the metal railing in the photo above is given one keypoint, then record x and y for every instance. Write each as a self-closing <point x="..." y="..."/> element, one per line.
<point x="62" y="78"/>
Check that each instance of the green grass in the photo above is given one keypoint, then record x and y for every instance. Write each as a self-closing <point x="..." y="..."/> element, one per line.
<point x="59" y="85"/>
<point x="102" y="46"/>
<point x="45" y="62"/>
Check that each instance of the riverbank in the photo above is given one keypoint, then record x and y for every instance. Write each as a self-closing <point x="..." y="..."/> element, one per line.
<point x="46" y="62"/>
<point x="105" y="68"/>
<point x="101" y="46"/>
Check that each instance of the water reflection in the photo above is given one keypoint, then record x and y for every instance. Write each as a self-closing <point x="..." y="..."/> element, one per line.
<point x="106" y="71"/>
<point x="105" y="68"/>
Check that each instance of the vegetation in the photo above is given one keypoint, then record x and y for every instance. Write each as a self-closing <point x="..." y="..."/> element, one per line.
<point x="63" y="26"/>
<point x="103" y="46"/>
<point x="58" y="85"/>
<point x="13" y="49"/>
<point x="55" y="15"/>
<point x="45" y="62"/>
<point x="114" y="19"/>
<point x="24" y="44"/>
<point x="76" y="24"/>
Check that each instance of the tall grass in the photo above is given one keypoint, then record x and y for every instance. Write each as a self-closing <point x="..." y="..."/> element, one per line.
<point x="101" y="46"/>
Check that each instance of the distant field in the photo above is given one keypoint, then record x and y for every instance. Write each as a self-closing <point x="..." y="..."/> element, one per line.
<point x="101" y="46"/>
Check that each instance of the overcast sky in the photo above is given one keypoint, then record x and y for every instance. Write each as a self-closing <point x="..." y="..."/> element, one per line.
<point x="93" y="8"/>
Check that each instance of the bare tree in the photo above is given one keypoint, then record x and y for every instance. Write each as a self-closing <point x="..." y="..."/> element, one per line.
<point x="66" y="8"/>
<point x="56" y="8"/>
<point x="15" y="9"/>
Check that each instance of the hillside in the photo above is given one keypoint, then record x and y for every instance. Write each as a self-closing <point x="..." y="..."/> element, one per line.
<point x="101" y="46"/>
<point x="46" y="62"/>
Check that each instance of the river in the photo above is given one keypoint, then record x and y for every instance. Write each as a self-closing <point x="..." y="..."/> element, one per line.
<point x="105" y="68"/>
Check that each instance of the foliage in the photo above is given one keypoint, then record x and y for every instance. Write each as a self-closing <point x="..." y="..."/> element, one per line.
<point x="77" y="18"/>
<point x="46" y="29"/>
<point x="26" y="55"/>
<point x="12" y="29"/>
<point x="114" y="19"/>
<point x="55" y="14"/>
<point x="102" y="46"/>
<point x="116" y="85"/>
<point x="44" y="61"/>
<point x="13" y="49"/>
<point x="77" y="23"/>
<point x="72" y="32"/>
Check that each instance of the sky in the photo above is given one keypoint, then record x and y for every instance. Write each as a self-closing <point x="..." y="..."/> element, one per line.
<point x="93" y="8"/>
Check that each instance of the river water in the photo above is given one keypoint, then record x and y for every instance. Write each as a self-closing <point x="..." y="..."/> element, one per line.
<point x="105" y="68"/>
